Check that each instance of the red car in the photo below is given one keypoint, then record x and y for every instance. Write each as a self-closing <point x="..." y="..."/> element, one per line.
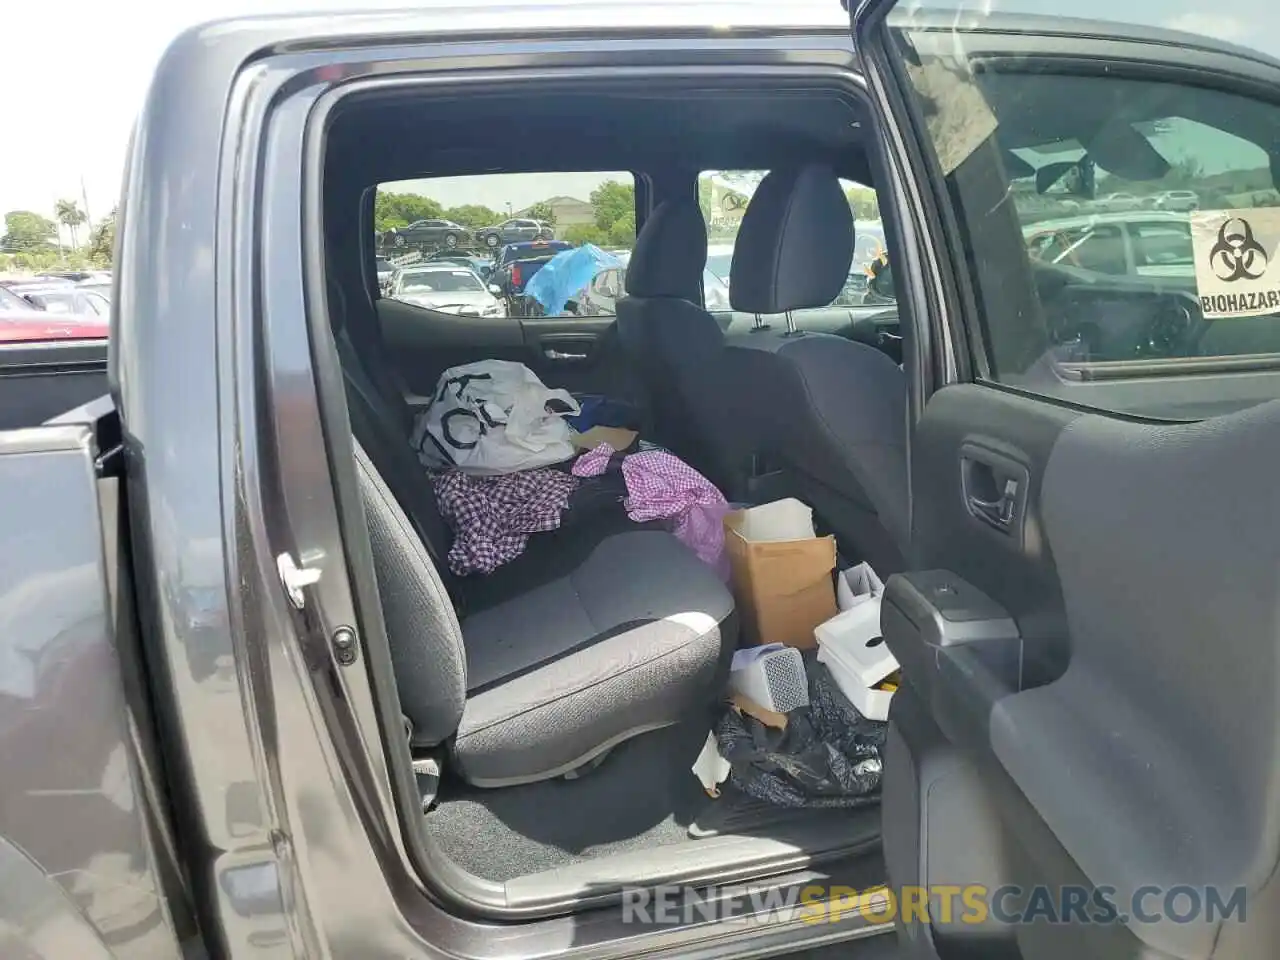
<point x="19" y="326"/>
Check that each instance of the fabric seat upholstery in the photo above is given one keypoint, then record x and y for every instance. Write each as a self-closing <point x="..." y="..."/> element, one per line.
<point x="635" y="638"/>
<point x="619" y="634"/>
<point x="831" y="412"/>
<point x="632" y="640"/>
<point x="677" y="345"/>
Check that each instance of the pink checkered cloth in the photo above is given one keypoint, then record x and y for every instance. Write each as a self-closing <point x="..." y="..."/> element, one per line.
<point x="661" y="486"/>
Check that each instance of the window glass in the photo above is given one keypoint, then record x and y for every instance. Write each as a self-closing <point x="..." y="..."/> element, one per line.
<point x="1149" y="215"/>
<point x="724" y="195"/>
<point x="504" y="228"/>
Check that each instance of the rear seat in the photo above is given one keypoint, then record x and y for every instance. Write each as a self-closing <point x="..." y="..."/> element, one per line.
<point x="594" y="636"/>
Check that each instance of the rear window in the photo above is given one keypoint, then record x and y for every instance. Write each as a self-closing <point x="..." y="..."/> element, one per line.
<point x="497" y="221"/>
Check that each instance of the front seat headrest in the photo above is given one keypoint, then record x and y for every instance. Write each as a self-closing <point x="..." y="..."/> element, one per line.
<point x="795" y="243"/>
<point x="670" y="253"/>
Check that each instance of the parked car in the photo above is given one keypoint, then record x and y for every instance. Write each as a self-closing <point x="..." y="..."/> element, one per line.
<point x="384" y="269"/>
<point x="65" y="298"/>
<point x="73" y="276"/>
<point x="1178" y="200"/>
<point x="483" y="266"/>
<point x="514" y="231"/>
<point x="447" y="288"/>
<point x="1139" y="243"/>
<point x="37" y="326"/>
<point x="12" y="302"/>
<point x="444" y="233"/>
<point x="515" y="266"/>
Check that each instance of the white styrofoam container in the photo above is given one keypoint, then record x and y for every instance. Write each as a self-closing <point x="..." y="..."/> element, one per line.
<point x="872" y="704"/>
<point x="854" y="638"/>
<point x="787" y="519"/>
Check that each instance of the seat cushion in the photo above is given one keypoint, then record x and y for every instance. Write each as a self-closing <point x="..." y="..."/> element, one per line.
<point x="633" y="639"/>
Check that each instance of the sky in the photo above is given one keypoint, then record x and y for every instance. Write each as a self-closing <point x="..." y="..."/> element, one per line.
<point x="75" y="73"/>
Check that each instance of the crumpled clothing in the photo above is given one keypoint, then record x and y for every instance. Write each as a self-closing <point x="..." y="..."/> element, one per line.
<point x="492" y="517"/>
<point x="662" y="486"/>
<point x="594" y="462"/>
<point x="829" y="755"/>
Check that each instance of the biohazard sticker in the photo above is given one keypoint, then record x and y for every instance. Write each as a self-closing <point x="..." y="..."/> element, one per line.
<point x="1237" y="254"/>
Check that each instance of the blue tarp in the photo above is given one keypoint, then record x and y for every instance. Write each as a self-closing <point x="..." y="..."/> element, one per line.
<point x="566" y="274"/>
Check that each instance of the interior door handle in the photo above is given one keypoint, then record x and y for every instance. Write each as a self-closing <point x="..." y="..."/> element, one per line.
<point x="551" y="353"/>
<point x="1000" y="511"/>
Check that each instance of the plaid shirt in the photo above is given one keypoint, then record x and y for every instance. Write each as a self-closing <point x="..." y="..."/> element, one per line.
<point x="662" y="486"/>
<point x="492" y="517"/>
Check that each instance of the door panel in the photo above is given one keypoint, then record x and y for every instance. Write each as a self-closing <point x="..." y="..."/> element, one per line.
<point x="1145" y="706"/>
<point x="580" y="354"/>
<point x="1088" y="633"/>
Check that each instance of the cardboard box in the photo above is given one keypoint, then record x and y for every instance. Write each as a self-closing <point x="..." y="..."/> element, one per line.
<point x="783" y="588"/>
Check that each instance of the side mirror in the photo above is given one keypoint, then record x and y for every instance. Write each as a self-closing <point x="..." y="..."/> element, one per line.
<point x="495" y="289"/>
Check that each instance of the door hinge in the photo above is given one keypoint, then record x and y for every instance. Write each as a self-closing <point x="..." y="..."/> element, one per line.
<point x="295" y="579"/>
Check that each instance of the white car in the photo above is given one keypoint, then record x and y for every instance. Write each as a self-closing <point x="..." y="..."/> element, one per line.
<point x="447" y="288"/>
<point x="1186" y="200"/>
<point x="1141" y="243"/>
<point x="1120" y="202"/>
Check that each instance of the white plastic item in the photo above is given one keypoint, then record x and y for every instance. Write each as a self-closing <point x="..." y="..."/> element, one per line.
<point x="871" y="703"/>
<point x="788" y="519"/>
<point x="492" y="417"/>
<point x="711" y="768"/>
<point x="857" y="585"/>
<point x="776" y="680"/>
<point x="854" y="638"/>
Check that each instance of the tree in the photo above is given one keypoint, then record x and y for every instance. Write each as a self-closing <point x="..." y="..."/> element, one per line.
<point x="623" y="231"/>
<point x="102" y="240"/>
<point x="473" y="215"/>
<point x="705" y="191"/>
<point x="612" y="201"/>
<point x="25" y="231"/>
<point x="580" y="233"/>
<point x="864" y="203"/>
<point x="392" y="210"/>
<point x="543" y="211"/>
<point x="70" y="215"/>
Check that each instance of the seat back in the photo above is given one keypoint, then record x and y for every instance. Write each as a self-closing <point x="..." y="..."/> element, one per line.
<point x="409" y="540"/>
<point x="676" y="345"/>
<point x="423" y="632"/>
<point x="831" y="412"/>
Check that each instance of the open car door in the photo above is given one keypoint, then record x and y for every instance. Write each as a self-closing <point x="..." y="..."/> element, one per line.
<point x="1082" y="759"/>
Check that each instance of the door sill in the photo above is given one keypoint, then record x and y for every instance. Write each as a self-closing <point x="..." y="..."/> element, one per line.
<point x="713" y="861"/>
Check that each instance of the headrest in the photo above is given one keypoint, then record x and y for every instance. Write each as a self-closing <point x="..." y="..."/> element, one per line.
<point x="795" y="243"/>
<point x="670" y="253"/>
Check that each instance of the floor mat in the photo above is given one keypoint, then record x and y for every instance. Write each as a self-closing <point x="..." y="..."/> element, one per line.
<point x="642" y="796"/>
<point x="735" y="812"/>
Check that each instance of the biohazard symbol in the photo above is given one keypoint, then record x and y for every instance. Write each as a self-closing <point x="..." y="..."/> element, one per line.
<point x="1237" y="255"/>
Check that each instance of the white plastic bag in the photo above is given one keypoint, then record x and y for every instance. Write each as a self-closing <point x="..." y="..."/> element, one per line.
<point x="492" y="417"/>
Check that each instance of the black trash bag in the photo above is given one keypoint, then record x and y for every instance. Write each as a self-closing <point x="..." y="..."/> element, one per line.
<point x="828" y="756"/>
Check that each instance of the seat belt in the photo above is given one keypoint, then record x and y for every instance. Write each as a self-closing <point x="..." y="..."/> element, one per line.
<point x="426" y="771"/>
